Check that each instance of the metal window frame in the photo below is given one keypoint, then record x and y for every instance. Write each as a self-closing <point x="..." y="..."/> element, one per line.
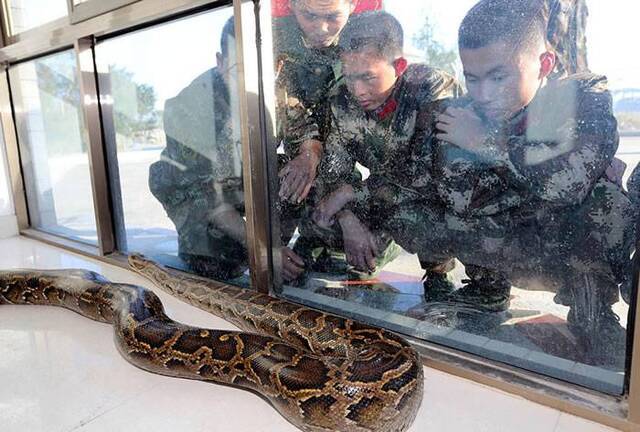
<point x="10" y="37"/>
<point x="622" y="413"/>
<point x="81" y="38"/>
<point x="252" y="117"/>
<point x="93" y="8"/>
<point x="13" y="152"/>
<point x="89" y="92"/>
<point x="26" y="213"/>
<point x="43" y="40"/>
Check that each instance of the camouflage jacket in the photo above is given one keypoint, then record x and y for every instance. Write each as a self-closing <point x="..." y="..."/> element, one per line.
<point x="548" y="156"/>
<point x="305" y="76"/>
<point x="201" y="167"/>
<point x="382" y="145"/>
<point x="566" y="32"/>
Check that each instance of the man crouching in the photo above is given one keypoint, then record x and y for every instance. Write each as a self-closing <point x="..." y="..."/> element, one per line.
<point x="524" y="160"/>
<point x="373" y="121"/>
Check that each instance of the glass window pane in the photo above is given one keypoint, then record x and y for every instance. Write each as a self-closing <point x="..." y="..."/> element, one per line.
<point x="453" y="196"/>
<point x="176" y="143"/>
<point x="27" y="14"/>
<point x="53" y="146"/>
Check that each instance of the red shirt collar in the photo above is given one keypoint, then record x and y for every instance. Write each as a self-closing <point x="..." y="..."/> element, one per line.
<point x="386" y="109"/>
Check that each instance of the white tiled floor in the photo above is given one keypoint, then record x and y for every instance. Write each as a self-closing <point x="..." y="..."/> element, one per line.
<point x="60" y="372"/>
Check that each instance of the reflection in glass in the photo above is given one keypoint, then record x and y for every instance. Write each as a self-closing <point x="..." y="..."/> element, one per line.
<point x="27" y="14"/>
<point x="487" y="219"/>
<point x="53" y="146"/>
<point x="176" y="143"/>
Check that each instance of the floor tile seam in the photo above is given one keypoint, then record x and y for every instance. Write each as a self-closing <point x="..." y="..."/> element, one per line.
<point x="84" y="422"/>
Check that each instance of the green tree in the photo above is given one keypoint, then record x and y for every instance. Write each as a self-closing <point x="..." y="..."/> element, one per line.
<point x="436" y="55"/>
<point x="135" y="113"/>
<point x="60" y="103"/>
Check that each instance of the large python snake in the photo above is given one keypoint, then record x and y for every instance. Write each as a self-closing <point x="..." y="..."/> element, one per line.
<point x="320" y="371"/>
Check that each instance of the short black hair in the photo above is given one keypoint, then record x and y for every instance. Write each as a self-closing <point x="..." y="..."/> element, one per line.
<point x="520" y="23"/>
<point x="378" y="30"/>
<point x="228" y="32"/>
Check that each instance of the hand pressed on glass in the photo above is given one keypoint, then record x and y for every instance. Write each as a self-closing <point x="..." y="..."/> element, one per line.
<point x="360" y="244"/>
<point x="298" y="176"/>
<point x="292" y="264"/>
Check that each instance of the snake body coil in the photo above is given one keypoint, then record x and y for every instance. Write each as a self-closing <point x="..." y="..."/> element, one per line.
<point x="320" y="371"/>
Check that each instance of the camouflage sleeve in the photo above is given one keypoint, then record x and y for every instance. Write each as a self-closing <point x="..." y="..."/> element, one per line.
<point x="297" y="121"/>
<point x="382" y="194"/>
<point x="338" y="168"/>
<point x="566" y="32"/>
<point x="410" y="178"/>
<point x="410" y="175"/>
<point x="385" y="190"/>
<point x="561" y="159"/>
<point x="437" y="86"/>
<point x="180" y="178"/>
<point x="337" y="164"/>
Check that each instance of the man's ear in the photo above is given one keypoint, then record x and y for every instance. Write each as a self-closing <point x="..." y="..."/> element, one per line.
<point x="400" y="65"/>
<point x="547" y="64"/>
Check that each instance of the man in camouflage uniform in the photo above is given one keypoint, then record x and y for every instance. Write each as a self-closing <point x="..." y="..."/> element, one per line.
<point x="199" y="177"/>
<point x="373" y="121"/>
<point x="566" y="33"/>
<point x="521" y="165"/>
<point x="308" y="68"/>
<point x="633" y="186"/>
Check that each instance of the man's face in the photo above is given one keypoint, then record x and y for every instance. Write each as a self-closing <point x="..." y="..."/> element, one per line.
<point x="369" y="77"/>
<point x="499" y="81"/>
<point x="321" y="20"/>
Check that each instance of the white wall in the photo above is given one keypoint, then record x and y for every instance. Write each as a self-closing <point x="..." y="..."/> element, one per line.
<point x="8" y="222"/>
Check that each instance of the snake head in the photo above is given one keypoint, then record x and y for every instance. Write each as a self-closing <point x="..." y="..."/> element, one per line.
<point x="138" y="262"/>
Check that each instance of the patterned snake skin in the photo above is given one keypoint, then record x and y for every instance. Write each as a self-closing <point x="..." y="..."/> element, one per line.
<point x="320" y="371"/>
